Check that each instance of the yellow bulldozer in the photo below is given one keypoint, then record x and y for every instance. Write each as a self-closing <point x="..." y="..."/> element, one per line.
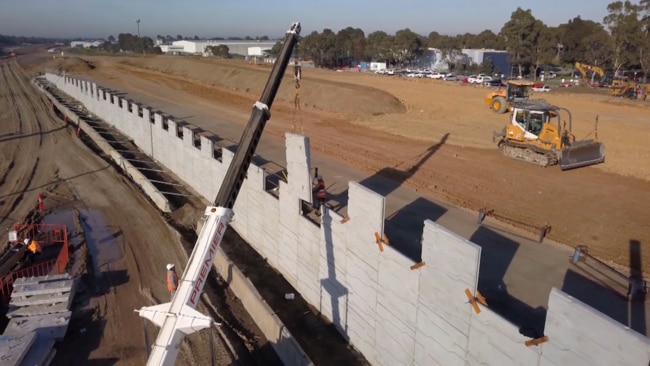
<point x="499" y="101"/>
<point x="537" y="134"/>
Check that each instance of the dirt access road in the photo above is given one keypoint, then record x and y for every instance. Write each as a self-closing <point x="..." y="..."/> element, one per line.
<point x="373" y="123"/>
<point x="39" y="154"/>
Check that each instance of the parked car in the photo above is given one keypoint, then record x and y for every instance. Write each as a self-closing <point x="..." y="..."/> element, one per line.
<point x="450" y="77"/>
<point x="436" y="75"/>
<point x="493" y="83"/>
<point x="478" y="79"/>
<point x="544" y="89"/>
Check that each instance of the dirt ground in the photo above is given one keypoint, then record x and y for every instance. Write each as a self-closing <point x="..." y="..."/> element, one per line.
<point x="40" y="154"/>
<point x="372" y="122"/>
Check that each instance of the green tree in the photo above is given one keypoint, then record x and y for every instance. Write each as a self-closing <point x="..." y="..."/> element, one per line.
<point x="625" y="27"/>
<point x="219" y="51"/>
<point x="644" y="41"/>
<point x="379" y="47"/>
<point x="520" y="36"/>
<point x="574" y="34"/>
<point x="275" y="50"/>
<point x="544" y="48"/>
<point x="408" y="45"/>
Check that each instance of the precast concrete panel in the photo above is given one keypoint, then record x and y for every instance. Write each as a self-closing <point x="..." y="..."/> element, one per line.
<point x="580" y="335"/>
<point x="271" y="229"/>
<point x="288" y="219"/>
<point x="444" y="313"/>
<point x="397" y="301"/>
<point x="334" y="293"/>
<point x="308" y="260"/>
<point x="494" y="341"/>
<point x="299" y="165"/>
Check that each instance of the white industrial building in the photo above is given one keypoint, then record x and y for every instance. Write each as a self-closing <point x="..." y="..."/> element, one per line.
<point x="437" y="60"/>
<point x="85" y="44"/>
<point x="477" y="56"/>
<point x="243" y="48"/>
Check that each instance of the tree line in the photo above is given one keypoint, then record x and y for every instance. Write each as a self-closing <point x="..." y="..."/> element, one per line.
<point x="621" y="40"/>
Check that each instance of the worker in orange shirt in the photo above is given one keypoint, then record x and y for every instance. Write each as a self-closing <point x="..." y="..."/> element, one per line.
<point x="172" y="279"/>
<point x="33" y="249"/>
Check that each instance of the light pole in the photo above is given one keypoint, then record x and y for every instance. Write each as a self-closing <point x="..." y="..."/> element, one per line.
<point x="137" y="22"/>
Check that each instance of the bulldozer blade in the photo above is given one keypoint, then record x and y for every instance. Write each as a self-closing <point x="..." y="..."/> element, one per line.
<point x="582" y="154"/>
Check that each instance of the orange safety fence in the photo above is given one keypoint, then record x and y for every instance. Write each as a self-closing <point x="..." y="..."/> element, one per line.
<point x="46" y="234"/>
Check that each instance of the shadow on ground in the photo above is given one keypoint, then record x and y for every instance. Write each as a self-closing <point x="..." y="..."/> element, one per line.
<point x="497" y="253"/>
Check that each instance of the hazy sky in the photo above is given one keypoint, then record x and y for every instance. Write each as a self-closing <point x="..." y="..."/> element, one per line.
<point x="94" y="18"/>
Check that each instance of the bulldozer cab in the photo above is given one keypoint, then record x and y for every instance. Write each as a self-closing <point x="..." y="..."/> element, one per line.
<point x="518" y="90"/>
<point x="531" y="121"/>
<point x="534" y="119"/>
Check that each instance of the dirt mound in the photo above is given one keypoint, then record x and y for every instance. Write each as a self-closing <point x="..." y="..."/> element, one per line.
<point x="315" y="93"/>
<point x="68" y="65"/>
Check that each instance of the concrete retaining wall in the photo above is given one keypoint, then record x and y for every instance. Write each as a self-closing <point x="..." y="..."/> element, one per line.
<point x="150" y="190"/>
<point x="392" y="314"/>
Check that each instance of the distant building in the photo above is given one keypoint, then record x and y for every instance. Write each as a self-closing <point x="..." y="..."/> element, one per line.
<point x="242" y="48"/>
<point x="437" y="60"/>
<point x="499" y="58"/>
<point x="85" y="44"/>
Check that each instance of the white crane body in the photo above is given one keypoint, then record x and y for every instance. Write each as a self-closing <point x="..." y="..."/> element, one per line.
<point x="179" y="318"/>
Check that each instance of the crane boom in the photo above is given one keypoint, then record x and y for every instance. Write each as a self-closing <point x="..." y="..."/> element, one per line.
<point x="179" y="317"/>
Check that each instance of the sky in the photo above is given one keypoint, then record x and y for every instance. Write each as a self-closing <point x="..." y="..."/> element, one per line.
<point x="240" y="18"/>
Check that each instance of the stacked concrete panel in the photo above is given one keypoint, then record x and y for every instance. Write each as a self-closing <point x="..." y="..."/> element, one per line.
<point x="39" y="316"/>
<point x="394" y="315"/>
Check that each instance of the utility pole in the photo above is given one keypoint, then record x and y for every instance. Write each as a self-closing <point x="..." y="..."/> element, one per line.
<point x="137" y="22"/>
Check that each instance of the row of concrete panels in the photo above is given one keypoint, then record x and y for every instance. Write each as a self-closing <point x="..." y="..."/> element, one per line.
<point x="393" y="314"/>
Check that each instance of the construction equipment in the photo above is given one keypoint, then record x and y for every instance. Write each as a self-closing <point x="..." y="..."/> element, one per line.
<point x="179" y="317"/>
<point x="585" y="69"/>
<point x="499" y="101"/>
<point x="532" y="136"/>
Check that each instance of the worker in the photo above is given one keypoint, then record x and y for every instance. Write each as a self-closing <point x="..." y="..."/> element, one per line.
<point x="319" y="194"/>
<point x="33" y="249"/>
<point x="172" y="279"/>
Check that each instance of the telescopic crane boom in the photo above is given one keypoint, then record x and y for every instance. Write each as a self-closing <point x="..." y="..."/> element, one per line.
<point x="179" y="317"/>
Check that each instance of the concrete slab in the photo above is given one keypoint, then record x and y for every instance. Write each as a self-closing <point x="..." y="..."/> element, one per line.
<point x="54" y="298"/>
<point x="13" y="348"/>
<point x="39" y="352"/>
<point x="20" y="311"/>
<point x="53" y="326"/>
<point x="56" y="287"/>
<point x="40" y="279"/>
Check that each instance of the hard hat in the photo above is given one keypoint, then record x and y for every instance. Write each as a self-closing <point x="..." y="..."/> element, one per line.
<point x="26" y="241"/>
<point x="320" y="177"/>
<point x="170" y="266"/>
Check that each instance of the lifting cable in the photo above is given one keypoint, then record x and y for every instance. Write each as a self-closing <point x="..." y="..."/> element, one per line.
<point x="297" y="76"/>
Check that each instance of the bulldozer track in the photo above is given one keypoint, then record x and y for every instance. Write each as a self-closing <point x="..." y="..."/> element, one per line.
<point x="528" y="154"/>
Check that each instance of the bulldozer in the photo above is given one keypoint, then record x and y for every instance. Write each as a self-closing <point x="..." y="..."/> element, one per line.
<point x="537" y="134"/>
<point x="499" y="101"/>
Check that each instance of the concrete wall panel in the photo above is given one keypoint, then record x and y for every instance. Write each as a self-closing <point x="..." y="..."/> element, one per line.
<point x="444" y="315"/>
<point x="299" y="165"/>
<point x="494" y="341"/>
<point x="580" y="335"/>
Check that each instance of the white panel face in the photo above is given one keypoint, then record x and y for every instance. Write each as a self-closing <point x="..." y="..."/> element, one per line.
<point x="299" y="166"/>
<point x="444" y="312"/>
<point x="494" y="341"/>
<point x="580" y="335"/>
<point x="366" y="208"/>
